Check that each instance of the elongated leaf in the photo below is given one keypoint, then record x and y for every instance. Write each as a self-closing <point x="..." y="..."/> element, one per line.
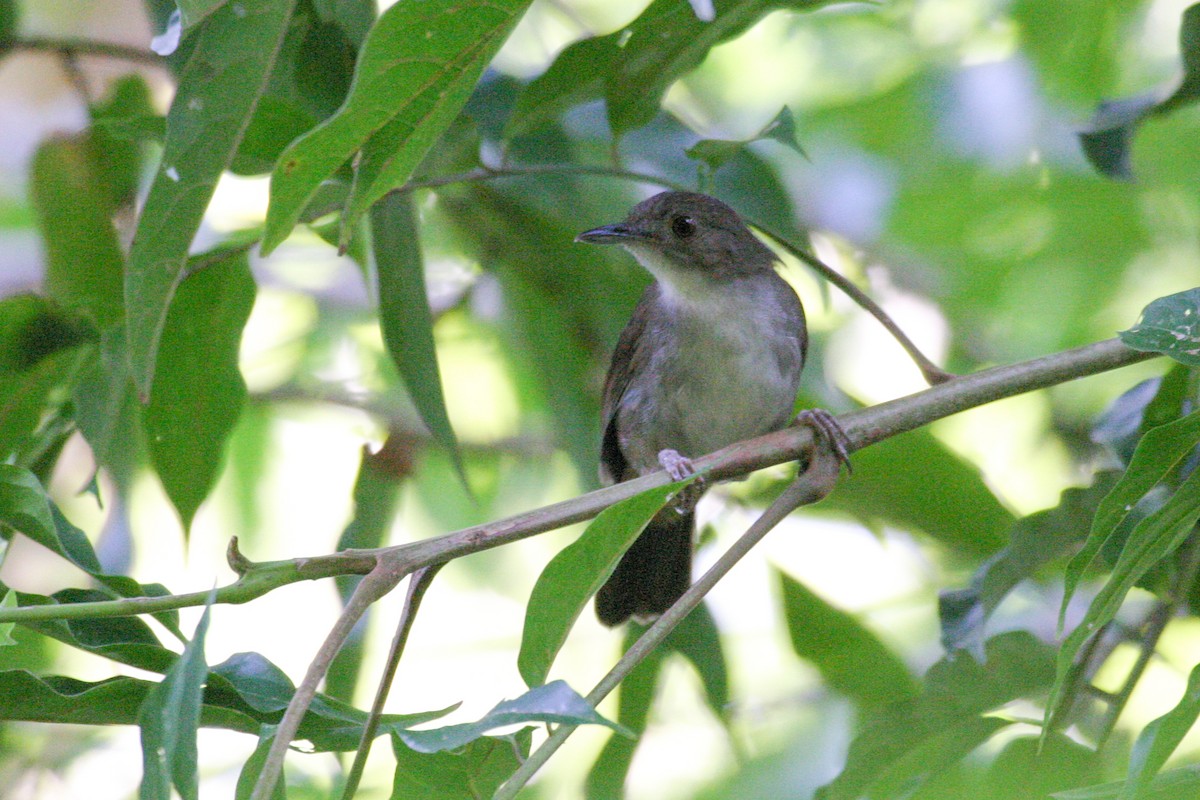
<point x="40" y="360"/>
<point x="1170" y="325"/>
<point x="25" y="506"/>
<point x="1153" y="539"/>
<point x="958" y="690"/>
<point x="405" y="317"/>
<point x="218" y="89"/>
<point x="199" y="391"/>
<point x="415" y="72"/>
<point x="850" y="658"/>
<point x="31" y="698"/>
<point x="1035" y="541"/>
<point x="555" y="702"/>
<point x="475" y="771"/>
<point x="84" y="263"/>
<point x="1108" y="141"/>
<point x="1175" y="784"/>
<point x="169" y="718"/>
<point x="248" y="777"/>
<point x="1160" y="450"/>
<point x="8" y="24"/>
<point x="576" y="573"/>
<point x="946" y="499"/>
<point x="1159" y="739"/>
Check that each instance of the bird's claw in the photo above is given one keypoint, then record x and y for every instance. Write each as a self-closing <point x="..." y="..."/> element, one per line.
<point x="680" y="468"/>
<point x="827" y="427"/>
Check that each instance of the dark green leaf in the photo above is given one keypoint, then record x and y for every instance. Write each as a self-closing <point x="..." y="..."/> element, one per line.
<point x="475" y="771"/>
<point x="897" y="741"/>
<point x="1109" y="139"/>
<point x="376" y="494"/>
<point x="417" y="68"/>
<point x="25" y="507"/>
<point x="169" y="718"/>
<point x="40" y="360"/>
<point x="1171" y="326"/>
<point x="122" y="124"/>
<point x="1158" y="741"/>
<point x="555" y="703"/>
<point x="715" y="152"/>
<point x="946" y="499"/>
<point x="850" y="658"/>
<point x="574" y="575"/>
<point x="405" y="317"/>
<point x="8" y="24"/>
<point x="1175" y="784"/>
<point x="1026" y="768"/>
<point x="199" y="391"/>
<point x="576" y="76"/>
<point x="248" y="777"/>
<point x="234" y="51"/>
<point x="1035" y="541"/>
<point x="107" y="410"/>
<point x="1156" y="457"/>
<point x="30" y="698"/>
<point x="84" y="262"/>
<point x="1153" y="539"/>
<point x="193" y="11"/>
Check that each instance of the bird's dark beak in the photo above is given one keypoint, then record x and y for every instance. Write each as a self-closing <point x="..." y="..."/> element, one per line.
<point x="609" y="234"/>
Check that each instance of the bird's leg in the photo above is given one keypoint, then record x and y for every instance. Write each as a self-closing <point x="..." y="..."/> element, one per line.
<point x="680" y="467"/>
<point x="827" y="427"/>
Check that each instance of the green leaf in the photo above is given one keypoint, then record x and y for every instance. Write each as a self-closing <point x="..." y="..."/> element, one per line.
<point x="1175" y="784"/>
<point x="715" y="152"/>
<point x="415" y="72"/>
<point x="40" y="360"/>
<point x="124" y="640"/>
<point x="376" y="495"/>
<point x="8" y="602"/>
<point x="1035" y="540"/>
<point x="576" y="573"/>
<point x="405" y="317"/>
<point x="1170" y="325"/>
<point x="234" y="52"/>
<point x="475" y="771"/>
<point x="850" y="658"/>
<point x="946" y="499"/>
<point x="1108" y="141"/>
<point x="1156" y="457"/>
<point x="25" y="507"/>
<point x="169" y="718"/>
<point x="56" y="699"/>
<point x="199" y="391"/>
<point x="698" y="640"/>
<point x="1158" y="740"/>
<point x="194" y="11"/>
<point x="84" y="262"/>
<point x="576" y="76"/>
<point x="902" y="742"/>
<point x="1154" y="538"/>
<point x="555" y="703"/>
<point x="9" y="19"/>
<point x="248" y="776"/>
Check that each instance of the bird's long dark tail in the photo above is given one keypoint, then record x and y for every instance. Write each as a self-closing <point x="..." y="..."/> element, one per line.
<point x="653" y="573"/>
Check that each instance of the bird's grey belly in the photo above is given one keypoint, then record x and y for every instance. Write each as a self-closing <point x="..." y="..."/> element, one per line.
<point x="699" y="399"/>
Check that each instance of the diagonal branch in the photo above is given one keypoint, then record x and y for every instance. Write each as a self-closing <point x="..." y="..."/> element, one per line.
<point x="863" y="427"/>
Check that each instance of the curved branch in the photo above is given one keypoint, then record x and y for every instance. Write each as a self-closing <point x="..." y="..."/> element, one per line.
<point x="71" y="47"/>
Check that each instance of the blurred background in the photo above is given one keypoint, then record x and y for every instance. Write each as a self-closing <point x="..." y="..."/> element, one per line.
<point x="936" y="163"/>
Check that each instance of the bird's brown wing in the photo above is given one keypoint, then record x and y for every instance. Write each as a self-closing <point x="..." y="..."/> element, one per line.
<point x="628" y="357"/>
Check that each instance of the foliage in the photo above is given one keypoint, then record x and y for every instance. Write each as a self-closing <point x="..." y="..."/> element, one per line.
<point x="928" y="153"/>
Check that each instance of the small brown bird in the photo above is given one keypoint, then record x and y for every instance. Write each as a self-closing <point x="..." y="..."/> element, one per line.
<point x="711" y="356"/>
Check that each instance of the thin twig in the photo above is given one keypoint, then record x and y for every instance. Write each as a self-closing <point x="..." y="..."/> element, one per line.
<point x="71" y="47"/>
<point x="808" y="487"/>
<point x="417" y="585"/>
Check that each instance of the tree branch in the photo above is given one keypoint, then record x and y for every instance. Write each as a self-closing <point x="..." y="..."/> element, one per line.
<point x="864" y="427"/>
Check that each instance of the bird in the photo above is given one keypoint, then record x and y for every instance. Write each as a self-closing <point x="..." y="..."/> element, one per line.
<point x="711" y="355"/>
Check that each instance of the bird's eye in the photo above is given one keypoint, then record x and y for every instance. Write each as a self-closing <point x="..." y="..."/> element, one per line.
<point x="683" y="227"/>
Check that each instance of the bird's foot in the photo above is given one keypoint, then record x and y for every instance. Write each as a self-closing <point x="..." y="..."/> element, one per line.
<point x="680" y="468"/>
<point x="828" y="428"/>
